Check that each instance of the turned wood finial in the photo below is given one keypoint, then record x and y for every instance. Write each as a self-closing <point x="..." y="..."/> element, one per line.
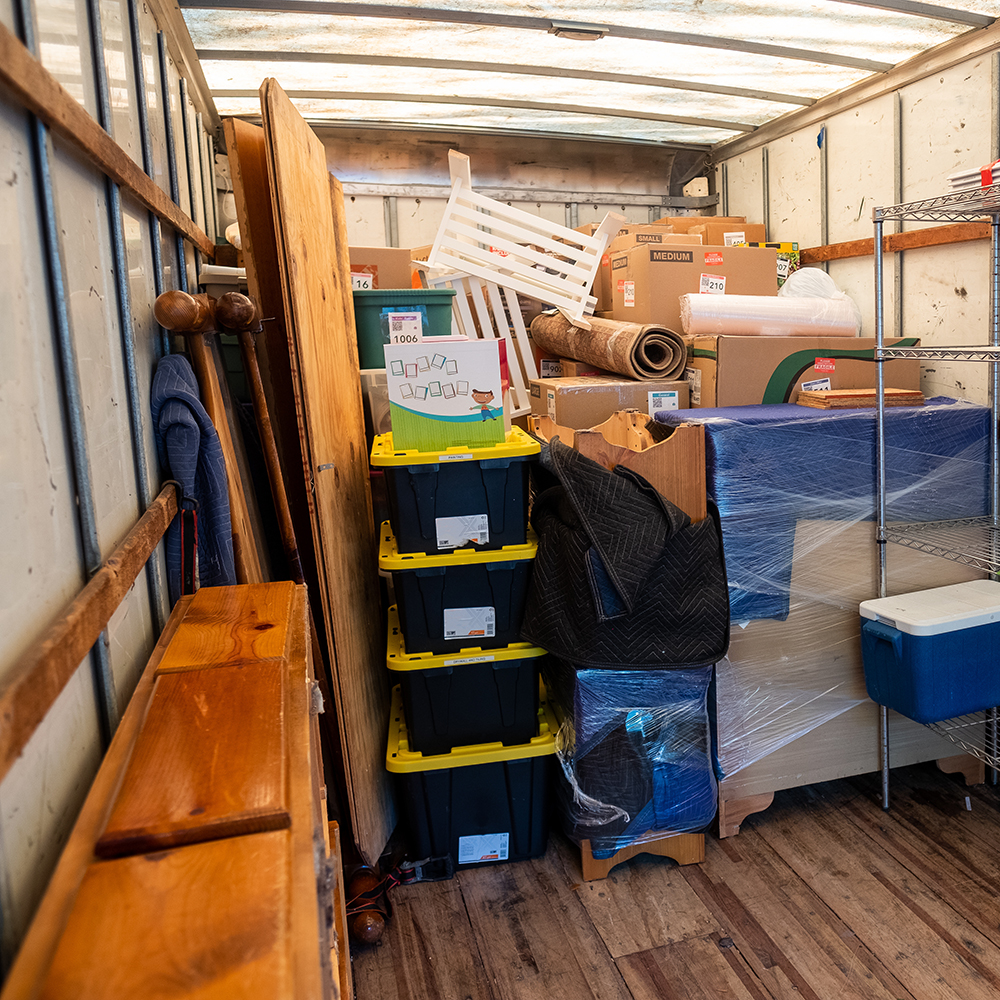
<point x="235" y="311"/>
<point x="183" y="313"/>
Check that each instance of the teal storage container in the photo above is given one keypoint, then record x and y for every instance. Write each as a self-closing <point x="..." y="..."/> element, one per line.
<point x="407" y="312"/>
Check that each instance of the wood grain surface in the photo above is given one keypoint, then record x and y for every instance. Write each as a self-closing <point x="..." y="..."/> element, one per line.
<point x="823" y="896"/>
<point x="319" y="310"/>
<point x="208" y="763"/>
<point x="206" y="920"/>
<point x="230" y="625"/>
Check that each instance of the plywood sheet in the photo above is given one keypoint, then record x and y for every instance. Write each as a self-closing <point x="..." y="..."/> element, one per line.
<point x="207" y="921"/>
<point x="230" y="625"/>
<point x="319" y="310"/>
<point x="208" y="762"/>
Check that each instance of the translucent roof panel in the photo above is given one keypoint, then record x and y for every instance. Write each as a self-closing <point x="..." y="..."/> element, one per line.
<point x="660" y="71"/>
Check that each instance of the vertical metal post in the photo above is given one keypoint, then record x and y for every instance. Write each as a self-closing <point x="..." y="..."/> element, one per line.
<point x="391" y="220"/>
<point x="189" y="163"/>
<point x="70" y="377"/>
<point x="880" y="476"/>
<point x="168" y="122"/>
<point x="725" y="189"/>
<point x="824" y="190"/>
<point x="897" y="194"/>
<point x="765" y="170"/>
<point x="147" y="159"/>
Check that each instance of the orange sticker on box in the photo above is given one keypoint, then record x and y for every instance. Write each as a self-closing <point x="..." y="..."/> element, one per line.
<point x="713" y="257"/>
<point x="825" y="365"/>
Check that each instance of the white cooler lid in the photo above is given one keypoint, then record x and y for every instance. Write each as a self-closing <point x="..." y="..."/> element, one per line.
<point x="941" y="609"/>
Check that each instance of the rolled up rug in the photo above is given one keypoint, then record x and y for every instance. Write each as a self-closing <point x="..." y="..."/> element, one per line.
<point x="632" y="349"/>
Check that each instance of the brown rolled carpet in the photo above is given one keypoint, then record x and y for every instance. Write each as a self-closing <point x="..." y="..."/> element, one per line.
<point x="632" y="349"/>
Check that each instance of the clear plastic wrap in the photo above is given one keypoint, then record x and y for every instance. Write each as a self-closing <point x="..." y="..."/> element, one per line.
<point x="795" y="490"/>
<point x="768" y="316"/>
<point x="634" y="751"/>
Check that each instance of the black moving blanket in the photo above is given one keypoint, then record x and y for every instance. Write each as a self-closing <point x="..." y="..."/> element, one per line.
<point x="622" y="578"/>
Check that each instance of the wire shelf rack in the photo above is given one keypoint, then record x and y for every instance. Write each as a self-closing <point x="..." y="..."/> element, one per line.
<point x="972" y="541"/>
<point x="976" y="734"/>
<point x="975" y="353"/>
<point x="956" y="206"/>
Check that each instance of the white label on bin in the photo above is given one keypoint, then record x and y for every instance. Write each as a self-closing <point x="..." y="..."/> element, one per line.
<point x="361" y="282"/>
<point x="462" y="660"/>
<point x="466" y="457"/>
<point x="712" y="284"/>
<point x="662" y="400"/>
<point x="485" y="847"/>
<point x="470" y="623"/>
<point x="405" y="328"/>
<point x="454" y="532"/>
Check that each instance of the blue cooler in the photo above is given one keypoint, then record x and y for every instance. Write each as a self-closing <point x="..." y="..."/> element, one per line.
<point x="934" y="654"/>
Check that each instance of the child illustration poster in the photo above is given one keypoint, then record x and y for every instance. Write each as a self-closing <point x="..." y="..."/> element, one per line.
<point x="446" y="393"/>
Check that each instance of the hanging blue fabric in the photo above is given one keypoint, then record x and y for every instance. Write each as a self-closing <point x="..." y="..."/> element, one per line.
<point x="188" y="447"/>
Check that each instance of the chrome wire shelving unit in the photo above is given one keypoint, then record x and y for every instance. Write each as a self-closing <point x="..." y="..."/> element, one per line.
<point x="975" y="541"/>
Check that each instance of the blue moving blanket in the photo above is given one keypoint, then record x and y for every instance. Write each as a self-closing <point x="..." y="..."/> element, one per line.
<point x="769" y="466"/>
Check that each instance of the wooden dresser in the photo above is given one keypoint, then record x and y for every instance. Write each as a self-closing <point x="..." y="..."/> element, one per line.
<point x="202" y="864"/>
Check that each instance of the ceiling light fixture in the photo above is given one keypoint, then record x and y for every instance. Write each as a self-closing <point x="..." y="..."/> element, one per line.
<point x="578" y="32"/>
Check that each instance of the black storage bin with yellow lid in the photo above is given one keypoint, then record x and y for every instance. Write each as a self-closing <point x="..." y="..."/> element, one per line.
<point x="472" y="696"/>
<point x="478" y="804"/>
<point x="465" y="598"/>
<point x="455" y="497"/>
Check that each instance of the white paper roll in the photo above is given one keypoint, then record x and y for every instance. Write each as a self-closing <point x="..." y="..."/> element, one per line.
<point x="768" y="316"/>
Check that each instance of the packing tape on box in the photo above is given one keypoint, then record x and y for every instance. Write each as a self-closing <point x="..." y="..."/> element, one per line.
<point x="768" y="316"/>
<point x="640" y="352"/>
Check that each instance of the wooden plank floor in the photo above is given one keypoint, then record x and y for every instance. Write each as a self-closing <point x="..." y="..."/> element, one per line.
<point x="822" y="896"/>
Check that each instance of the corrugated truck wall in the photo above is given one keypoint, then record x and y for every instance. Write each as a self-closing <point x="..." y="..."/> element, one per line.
<point x="890" y="142"/>
<point x="84" y="258"/>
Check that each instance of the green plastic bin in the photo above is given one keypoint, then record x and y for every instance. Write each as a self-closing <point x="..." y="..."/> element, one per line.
<point x="377" y="311"/>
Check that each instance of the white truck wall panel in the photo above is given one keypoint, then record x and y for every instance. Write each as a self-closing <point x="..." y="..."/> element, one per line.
<point x="795" y="185"/>
<point x="860" y="165"/>
<point x="946" y="127"/>
<point x="63" y="36"/>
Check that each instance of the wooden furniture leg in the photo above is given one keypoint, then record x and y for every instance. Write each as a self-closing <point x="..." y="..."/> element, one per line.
<point x="972" y="769"/>
<point x="684" y="848"/>
<point x="733" y="812"/>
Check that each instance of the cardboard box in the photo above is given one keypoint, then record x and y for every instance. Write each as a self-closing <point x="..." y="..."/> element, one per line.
<point x="788" y="258"/>
<point x="649" y="281"/>
<point x="380" y="267"/>
<point x="585" y="402"/>
<point x="742" y="371"/>
<point x="631" y="236"/>
<point x="581" y="369"/>
<point x="627" y="236"/>
<point x="684" y="223"/>
<point x="727" y="234"/>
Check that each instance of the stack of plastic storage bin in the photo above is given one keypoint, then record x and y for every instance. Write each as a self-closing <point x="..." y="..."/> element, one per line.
<point x="470" y="734"/>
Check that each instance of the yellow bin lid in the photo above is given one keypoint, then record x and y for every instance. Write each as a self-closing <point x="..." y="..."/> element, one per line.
<point x="390" y="558"/>
<point x="397" y="658"/>
<point x="400" y="759"/>
<point x="518" y="444"/>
